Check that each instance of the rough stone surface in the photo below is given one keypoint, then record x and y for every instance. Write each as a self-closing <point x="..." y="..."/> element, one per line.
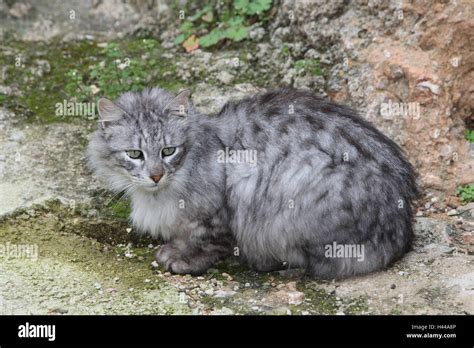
<point x="418" y="54"/>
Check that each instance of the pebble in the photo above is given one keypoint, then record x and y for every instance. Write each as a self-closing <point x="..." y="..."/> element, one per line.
<point x="295" y="298"/>
<point x="419" y="213"/>
<point x="225" y="77"/>
<point x="209" y="292"/>
<point x="228" y="277"/>
<point x="17" y="136"/>
<point x="58" y="310"/>
<point x="224" y="293"/>
<point x="154" y="264"/>
<point x="223" y="311"/>
<point x="452" y="212"/>
<point x="393" y="286"/>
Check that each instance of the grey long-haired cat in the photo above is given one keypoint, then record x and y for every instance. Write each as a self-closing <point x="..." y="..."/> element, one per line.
<point x="282" y="179"/>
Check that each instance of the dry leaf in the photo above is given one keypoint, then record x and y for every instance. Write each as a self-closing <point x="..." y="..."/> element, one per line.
<point x="191" y="43"/>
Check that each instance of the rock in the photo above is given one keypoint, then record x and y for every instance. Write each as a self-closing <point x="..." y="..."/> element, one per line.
<point x="17" y="135"/>
<point x="377" y="57"/>
<point x="209" y="99"/>
<point x="452" y="212"/>
<point x="256" y="32"/>
<point x="223" y="311"/>
<point x="5" y="90"/>
<point x="225" y="77"/>
<point x="19" y="10"/>
<point x="468" y="238"/>
<point x="435" y="89"/>
<point x="289" y="294"/>
<point x="209" y="292"/>
<point x="295" y="298"/>
<point x="282" y="310"/>
<point x="467" y="210"/>
<point x="42" y="67"/>
<point x="58" y="310"/>
<point x="224" y="293"/>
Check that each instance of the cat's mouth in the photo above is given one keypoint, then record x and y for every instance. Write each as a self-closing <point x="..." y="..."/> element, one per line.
<point x="154" y="186"/>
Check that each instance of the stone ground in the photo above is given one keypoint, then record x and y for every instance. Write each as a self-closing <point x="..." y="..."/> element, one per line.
<point x="90" y="261"/>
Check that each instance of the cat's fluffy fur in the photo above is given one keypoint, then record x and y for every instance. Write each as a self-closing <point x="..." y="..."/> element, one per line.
<point x="323" y="175"/>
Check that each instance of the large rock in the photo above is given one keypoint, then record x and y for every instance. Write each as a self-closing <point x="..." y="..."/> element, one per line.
<point x="408" y="68"/>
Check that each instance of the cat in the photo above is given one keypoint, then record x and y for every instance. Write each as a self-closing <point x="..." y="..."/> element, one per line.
<point x="322" y="184"/>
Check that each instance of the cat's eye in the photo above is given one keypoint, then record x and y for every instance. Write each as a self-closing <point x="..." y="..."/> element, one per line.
<point x="168" y="151"/>
<point x="134" y="154"/>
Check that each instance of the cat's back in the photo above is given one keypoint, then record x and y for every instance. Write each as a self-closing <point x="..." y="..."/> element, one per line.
<point x="286" y="118"/>
<point x="290" y="128"/>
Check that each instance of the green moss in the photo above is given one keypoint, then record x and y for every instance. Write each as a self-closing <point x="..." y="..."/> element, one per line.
<point x="311" y="66"/>
<point x="357" y="306"/>
<point x="432" y="295"/>
<point x="76" y="66"/>
<point x="40" y="93"/>
<point x="320" y="301"/>
<point x="121" y="209"/>
<point x="77" y="249"/>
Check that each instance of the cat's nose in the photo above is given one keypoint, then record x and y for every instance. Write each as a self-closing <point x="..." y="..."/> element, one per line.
<point x="155" y="178"/>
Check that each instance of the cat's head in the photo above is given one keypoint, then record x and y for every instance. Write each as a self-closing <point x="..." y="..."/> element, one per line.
<point x="141" y="140"/>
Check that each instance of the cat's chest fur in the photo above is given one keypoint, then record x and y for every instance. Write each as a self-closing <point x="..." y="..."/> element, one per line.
<point x="157" y="215"/>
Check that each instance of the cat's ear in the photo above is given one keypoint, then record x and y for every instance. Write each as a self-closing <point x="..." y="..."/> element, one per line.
<point x="179" y="105"/>
<point x="108" y="112"/>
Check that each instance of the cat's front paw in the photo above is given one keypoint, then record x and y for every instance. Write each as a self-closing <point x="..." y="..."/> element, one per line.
<point x="170" y="257"/>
